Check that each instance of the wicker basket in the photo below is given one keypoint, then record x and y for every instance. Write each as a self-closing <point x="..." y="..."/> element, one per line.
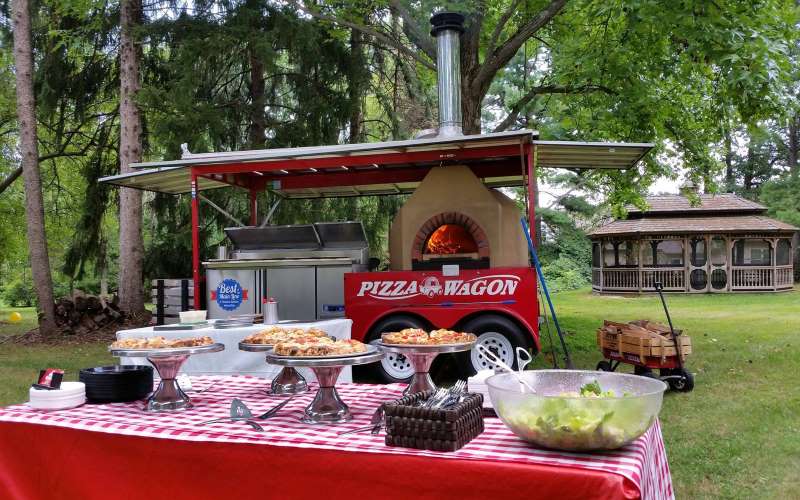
<point x="410" y="426"/>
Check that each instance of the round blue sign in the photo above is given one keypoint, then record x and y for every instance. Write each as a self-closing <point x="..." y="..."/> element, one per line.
<point x="229" y="294"/>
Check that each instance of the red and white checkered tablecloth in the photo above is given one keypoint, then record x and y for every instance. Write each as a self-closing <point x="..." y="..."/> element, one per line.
<point x="644" y="462"/>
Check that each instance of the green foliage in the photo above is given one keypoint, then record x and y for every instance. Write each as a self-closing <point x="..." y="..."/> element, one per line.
<point x="782" y="196"/>
<point x="565" y="273"/>
<point x="19" y="293"/>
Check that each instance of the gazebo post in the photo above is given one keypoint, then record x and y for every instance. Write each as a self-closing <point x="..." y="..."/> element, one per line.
<point x="773" y="255"/>
<point x="640" y="274"/>
<point x="602" y="264"/>
<point x="729" y="264"/>
<point x="195" y="241"/>
<point x="686" y="263"/>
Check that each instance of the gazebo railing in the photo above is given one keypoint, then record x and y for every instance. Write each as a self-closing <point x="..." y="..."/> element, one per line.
<point x="635" y="279"/>
<point x="784" y="277"/>
<point x="752" y="278"/>
<point x="742" y="278"/>
<point x="672" y="278"/>
<point x="620" y="279"/>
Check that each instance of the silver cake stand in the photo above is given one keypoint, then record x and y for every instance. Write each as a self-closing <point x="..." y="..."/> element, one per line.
<point x="421" y="357"/>
<point x="287" y="381"/>
<point x="167" y="362"/>
<point x="326" y="407"/>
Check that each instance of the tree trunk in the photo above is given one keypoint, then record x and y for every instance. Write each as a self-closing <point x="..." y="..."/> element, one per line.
<point x="356" y="82"/>
<point x="471" y="99"/>
<point x="730" y="178"/>
<point x="29" y="149"/>
<point x="130" y="151"/>
<point x="794" y="169"/>
<point x="258" y="124"/>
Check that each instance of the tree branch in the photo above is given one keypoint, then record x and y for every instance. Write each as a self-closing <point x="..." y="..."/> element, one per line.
<point x="501" y="23"/>
<point x="8" y="181"/>
<point x="413" y="30"/>
<point x="369" y="31"/>
<point x="501" y="55"/>
<point x="517" y="108"/>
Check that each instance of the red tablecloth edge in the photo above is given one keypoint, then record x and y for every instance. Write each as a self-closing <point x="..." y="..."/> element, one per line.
<point x="39" y="461"/>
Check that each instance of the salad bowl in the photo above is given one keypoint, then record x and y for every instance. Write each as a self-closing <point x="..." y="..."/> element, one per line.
<point x="576" y="410"/>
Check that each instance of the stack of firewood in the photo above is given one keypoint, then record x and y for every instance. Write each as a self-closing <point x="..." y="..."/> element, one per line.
<point x="83" y="314"/>
<point x="643" y="338"/>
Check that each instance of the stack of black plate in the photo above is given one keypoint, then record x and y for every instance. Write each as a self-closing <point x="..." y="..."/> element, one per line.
<point x="117" y="384"/>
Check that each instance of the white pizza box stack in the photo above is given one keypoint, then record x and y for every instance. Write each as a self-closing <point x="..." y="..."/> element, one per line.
<point x="477" y="384"/>
<point x="70" y="395"/>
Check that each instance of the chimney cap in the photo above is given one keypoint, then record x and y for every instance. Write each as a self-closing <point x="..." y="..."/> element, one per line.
<point x="447" y="21"/>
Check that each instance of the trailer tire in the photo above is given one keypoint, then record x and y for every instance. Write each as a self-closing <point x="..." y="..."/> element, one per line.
<point x="392" y="365"/>
<point x="495" y="332"/>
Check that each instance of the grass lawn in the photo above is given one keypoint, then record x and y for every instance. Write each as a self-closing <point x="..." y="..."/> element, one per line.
<point x="737" y="435"/>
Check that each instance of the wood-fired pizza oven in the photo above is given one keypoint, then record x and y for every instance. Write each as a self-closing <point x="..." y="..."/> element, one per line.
<point x="452" y="218"/>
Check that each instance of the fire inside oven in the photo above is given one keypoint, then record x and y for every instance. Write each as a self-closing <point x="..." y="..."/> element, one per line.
<point x="450" y="239"/>
<point x="451" y="243"/>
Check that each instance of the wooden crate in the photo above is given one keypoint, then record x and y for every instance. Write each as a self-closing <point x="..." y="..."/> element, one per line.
<point x="647" y="346"/>
<point x="645" y="339"/>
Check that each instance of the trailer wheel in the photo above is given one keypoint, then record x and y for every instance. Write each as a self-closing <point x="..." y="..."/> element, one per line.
<point x="498" y="334"/>
<point x="393" y="367"/>
<point x="604" y="366"/>
<point x="684" y="381"/>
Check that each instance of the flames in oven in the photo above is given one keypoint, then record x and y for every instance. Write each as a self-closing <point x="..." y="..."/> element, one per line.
<point x="450" y="239"/>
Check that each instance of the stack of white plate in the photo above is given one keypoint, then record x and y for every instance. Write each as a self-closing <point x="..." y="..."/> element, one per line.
<point x="70" y="395"/>
<point x="477" y="384"/>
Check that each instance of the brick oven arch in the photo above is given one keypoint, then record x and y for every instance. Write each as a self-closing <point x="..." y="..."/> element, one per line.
<point x="432" y="224"/>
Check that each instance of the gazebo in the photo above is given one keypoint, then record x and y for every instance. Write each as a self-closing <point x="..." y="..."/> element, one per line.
<point x="723" y="244"/>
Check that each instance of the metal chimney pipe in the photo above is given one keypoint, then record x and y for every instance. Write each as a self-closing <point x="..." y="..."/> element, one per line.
<point x="447" y="27"/>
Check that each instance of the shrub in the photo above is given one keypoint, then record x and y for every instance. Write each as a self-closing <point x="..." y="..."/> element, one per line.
<point x="19" y="293"/>
<point x="565" y="274"/>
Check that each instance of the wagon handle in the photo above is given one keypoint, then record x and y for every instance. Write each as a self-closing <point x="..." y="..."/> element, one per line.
<point x="678" y="351"/>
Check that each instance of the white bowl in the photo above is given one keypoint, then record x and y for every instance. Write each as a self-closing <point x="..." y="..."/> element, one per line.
<point x="189" y="317"/>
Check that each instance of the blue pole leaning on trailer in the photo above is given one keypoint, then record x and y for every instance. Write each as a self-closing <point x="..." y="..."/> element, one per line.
<point x="538" y="266"/>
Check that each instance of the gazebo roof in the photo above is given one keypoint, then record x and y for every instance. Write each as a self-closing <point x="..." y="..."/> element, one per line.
<point x="674" y="204"/>
<point x="684" y="225"/>
<point x="674" y="214"/>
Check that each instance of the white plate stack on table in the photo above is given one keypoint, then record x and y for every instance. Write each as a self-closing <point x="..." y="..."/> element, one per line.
<point x="233" y="361"/>
<point x="69" y="395"/>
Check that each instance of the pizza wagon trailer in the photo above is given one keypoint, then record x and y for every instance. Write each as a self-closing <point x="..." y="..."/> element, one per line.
<point x="458" y="255"/>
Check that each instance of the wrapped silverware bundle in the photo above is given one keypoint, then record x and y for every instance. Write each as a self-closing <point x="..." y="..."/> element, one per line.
<point x="445" y="398"/>
<point x="444" y="420"/>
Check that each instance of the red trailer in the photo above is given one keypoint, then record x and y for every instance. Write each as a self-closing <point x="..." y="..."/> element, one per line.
<point x="458" y="255"/>
<point x="469" y="285"/>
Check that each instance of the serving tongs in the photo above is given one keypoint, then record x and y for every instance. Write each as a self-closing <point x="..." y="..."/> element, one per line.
<point x="492" y="357"/>
<point x="241" y="413"/>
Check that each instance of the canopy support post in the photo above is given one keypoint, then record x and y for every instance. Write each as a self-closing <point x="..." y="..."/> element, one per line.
<point x="195" y="242"/>
<point x="253" y="207"/>
<point x="531" y="193"/>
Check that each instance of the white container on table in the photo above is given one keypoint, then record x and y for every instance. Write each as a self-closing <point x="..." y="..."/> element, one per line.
<point x="232" y="361"/>
<point x="70" y="395"/>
